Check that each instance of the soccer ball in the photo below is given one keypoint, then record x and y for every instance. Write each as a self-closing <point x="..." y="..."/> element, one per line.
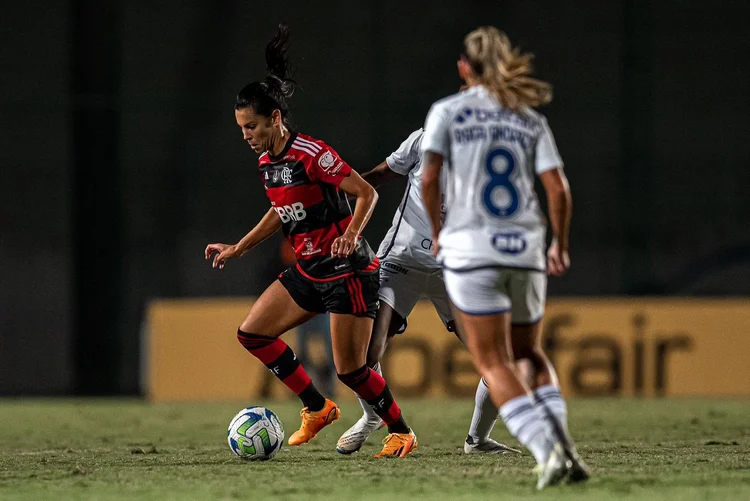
<point x="255" y="433"/>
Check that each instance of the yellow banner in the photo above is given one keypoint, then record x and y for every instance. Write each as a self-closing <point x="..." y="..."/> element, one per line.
<point x="649" y="347"/>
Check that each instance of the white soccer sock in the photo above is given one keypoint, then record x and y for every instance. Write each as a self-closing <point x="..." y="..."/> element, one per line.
<point x="485" y="414"/>
<point x="549" y="397"/>
<point x="528" y="425"/>
<point x="370" y="414"/>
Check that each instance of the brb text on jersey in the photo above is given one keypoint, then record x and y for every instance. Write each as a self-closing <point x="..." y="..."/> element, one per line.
<point x="302" y="183"/>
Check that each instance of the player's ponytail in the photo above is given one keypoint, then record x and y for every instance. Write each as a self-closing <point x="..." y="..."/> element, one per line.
<point x="277" y="64"/>
<point x="274" y="91"/>
<point x="504" y="70"/>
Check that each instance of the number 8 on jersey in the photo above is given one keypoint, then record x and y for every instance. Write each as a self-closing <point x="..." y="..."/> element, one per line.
<point x="500" y="165"/>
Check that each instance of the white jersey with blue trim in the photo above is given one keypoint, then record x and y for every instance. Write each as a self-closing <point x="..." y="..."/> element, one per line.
<point x="493" y="156"/>
<point x="409" y="240"/>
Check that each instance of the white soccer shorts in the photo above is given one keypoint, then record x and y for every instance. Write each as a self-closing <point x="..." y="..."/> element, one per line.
<point x="489" y="291"/>
<point x="401" y="286"/>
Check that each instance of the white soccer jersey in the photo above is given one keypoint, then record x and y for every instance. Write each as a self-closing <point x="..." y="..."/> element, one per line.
<point x="409" y="240"/>
<point x="493" y="156"/>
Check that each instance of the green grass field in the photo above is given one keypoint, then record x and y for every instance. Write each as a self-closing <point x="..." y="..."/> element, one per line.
<point x="127" y="449"/>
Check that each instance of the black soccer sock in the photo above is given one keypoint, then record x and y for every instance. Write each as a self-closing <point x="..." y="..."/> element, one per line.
<point x="312" y="399"/>
<point x="399" y="426"/>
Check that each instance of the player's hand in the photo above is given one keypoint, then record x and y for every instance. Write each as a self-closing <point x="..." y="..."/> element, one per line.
<point x="221" y="253"/>
<point x="558" y="260"/>
<point x="435" y="246"/>
<point x="344" y="245"/>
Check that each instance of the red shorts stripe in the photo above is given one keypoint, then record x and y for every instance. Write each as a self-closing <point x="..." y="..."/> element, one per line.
<point x="298" y="380"/>
<point x="372" y="266"/>
<point x="352" y="294"/>
<point x="358" y="292"/>
<point x="361" y="296"/>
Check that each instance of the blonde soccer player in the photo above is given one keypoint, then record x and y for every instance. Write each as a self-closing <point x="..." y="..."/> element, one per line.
<point x="493" y="240"/>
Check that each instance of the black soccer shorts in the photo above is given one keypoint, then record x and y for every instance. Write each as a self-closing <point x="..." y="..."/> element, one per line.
<point x="355" y="294"/>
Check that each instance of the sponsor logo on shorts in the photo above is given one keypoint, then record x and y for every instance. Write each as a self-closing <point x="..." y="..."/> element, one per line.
<point x="509" y="243"/>
<point x="395" y="267"/>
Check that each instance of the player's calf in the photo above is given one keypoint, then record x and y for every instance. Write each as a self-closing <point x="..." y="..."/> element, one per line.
<point x="281" y="360"/>
<point x="371" y="386"/>
<point x="355" y="437"/>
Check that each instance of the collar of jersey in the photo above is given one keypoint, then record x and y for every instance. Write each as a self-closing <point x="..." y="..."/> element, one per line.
<point x="276" y="158"/>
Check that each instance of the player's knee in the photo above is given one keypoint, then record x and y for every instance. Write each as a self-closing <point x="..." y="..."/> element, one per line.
<point x="248" y="326"/>
<point x="491" y="360"/>
<point x="252" y="341"/>
<point x="354" y="378"/>
<point x="533" y="355"/>
<point x="376" y="351"/>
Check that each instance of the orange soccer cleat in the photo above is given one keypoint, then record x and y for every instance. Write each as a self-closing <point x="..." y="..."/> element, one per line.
<point x="313" y="422"/>
<point x="398" y="445"/>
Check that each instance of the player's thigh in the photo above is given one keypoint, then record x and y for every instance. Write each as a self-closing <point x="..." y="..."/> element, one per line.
<point x="350" y="338"/>
<point x="353" y="304"/>
<point x="481" y="308"/>
<point x="525" y="338"/>
<point x="400" y="287"/>
<point x="387" y="323"/>
<point x="274" y="313"/>
<point x="438" y="296"/>
<point x="485" y="337"/>
<point x="528" y="295"/>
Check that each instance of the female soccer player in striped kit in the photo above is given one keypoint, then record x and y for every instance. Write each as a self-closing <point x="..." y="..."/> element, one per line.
<point x="492" y="243"/>
<point x="337" y="271"/>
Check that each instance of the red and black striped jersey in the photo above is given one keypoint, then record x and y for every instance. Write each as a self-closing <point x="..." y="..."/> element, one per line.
<point x="302" y="183"/>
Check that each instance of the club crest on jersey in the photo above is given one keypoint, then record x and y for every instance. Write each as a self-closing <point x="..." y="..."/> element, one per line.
<point x="326" y="160"/>
<point x="310" y="249"/>
<point x="286" y="175"/>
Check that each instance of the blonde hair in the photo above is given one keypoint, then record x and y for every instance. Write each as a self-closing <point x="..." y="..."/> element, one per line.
<point x="504" y="70"/>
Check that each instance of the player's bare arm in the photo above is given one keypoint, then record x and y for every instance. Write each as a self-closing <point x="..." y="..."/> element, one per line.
<point x="560" y="205"/>
<point x="268" y="225"/>
<point x="433" y="162"/>
<point x="380" y="175"/>
<point x="367" y="198"/>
